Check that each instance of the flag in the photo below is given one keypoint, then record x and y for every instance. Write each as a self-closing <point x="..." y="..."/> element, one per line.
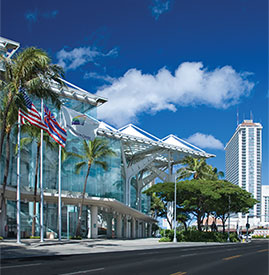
<point x="80" y="125"/>
<point x="31" y="114"/>
<point x="54" y="129"/>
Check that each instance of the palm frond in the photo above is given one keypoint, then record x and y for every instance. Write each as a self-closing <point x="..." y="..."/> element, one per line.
<point x="103" y="164"/>
<point x="23" y="143"/>
<point x="79" y="165"/>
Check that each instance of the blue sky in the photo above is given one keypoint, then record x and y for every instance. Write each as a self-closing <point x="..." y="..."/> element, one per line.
<point x="180" y="67"/>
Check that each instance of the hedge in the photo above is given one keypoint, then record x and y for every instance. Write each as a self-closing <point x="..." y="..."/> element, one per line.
<point x="198" y="236"/>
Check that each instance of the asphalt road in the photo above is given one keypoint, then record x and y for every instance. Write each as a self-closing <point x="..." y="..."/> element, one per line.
<point x="235" y="259"/>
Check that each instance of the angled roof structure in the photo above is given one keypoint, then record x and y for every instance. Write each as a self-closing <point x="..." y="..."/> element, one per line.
<point x="135" y="131"/>
<point x="140" y="142"/>
<point x="174" y="140"/>
<point x="74" y="92"/>
<point x="9" y="46"/>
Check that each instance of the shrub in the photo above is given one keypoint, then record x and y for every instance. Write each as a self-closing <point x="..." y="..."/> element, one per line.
<point x="1" y="238"/>
<point x="199" y="236"/>
<point x="259" y="236"/>
<point x="164" y="239"/>
<point x="76" y="238"/>
<point x="34" y="237"/>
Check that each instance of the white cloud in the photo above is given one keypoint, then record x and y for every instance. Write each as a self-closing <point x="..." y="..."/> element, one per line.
<point x="159" y="7"/>
<point x="71" y="60"/>
<point x="33" y="16"/>
<point x="94" y="75"/>
<point x="205" y="141"/>
<point x="190" y="85"/>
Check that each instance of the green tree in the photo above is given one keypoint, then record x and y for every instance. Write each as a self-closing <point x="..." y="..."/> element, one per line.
<point x="157" y="206"/>
<point x="93" y="153"/>
<point x="31" y="70"/>
<point x="202" y="197"/>
<point x="34" y="135"/>
<point x="193" y="167"/>
<point x="232" y="199"/>
<point x="183" y="217"/>
<point x="161" y="194"/>
<point x="214" y="174"/>
<point x="196" y="197"/>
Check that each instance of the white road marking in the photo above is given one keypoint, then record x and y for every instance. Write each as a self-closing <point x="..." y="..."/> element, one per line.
<point x="16" y="266"/>
<point x="186" y="255"/>
<point x="83" y="271"/>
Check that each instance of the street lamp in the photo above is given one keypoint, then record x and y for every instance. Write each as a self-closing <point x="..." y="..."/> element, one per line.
<point x="228" y="239"/>
<point x="175" y="209"/>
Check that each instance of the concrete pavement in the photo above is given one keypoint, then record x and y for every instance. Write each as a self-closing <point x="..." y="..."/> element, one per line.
<point x="34" y="248"/>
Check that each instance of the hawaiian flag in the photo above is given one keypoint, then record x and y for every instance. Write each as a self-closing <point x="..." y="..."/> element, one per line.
<point x="53" y="128"/>
<point x="31" y="114"/>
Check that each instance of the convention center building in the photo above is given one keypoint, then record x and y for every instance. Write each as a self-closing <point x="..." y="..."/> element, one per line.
<point x="114" y="205"/>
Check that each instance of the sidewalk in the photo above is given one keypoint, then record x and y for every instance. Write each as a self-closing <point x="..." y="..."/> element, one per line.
<point x="34" y="248"/>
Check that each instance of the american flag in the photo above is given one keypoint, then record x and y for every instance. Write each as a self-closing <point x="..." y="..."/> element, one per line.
<point x="31" y="114"/>
<point x="54" y="129"/>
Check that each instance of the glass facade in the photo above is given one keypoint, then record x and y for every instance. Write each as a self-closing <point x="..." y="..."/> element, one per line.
<point x="101" y="183"/>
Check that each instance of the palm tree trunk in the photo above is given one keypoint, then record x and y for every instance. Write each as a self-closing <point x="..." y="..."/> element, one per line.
<point x="35" y="188"/>
<point x="3" y="199"/>
<point x="185" y="226"/>
<point x="4" y="122"/>
<point x="207" y="222"/>
<point x="82" y="201"/>
<point x="223" y="225"/>
<point x="199" y="218"/>
<point x="169" y="222"/>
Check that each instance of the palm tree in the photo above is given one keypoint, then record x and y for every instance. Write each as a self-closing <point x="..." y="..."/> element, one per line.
<point x="34" y="135"/>
<point x="216" y="175"/>
<point x="93" y="153"/>
<point x="10" y="122"/>
<point x="157" y="206"/>
<point x="194" y="167"/>
<point x="31" y="70"/>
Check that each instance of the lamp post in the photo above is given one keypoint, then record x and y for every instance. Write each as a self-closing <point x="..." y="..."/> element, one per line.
<point x="175" y="209"/>
<point x="228" y="239"/>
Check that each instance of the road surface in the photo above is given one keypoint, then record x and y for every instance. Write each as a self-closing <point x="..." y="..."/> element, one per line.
<point x="234" y="259"/>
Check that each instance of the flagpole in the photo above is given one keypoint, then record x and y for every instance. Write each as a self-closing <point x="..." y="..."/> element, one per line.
<point x="18" y="183"/>
<point x="41" y="180"/>
<point x="60" y="193"/>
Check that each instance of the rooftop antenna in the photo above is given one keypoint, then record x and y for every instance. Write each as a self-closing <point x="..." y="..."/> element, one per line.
<point x="251" y="116"/>
<point x="237" y="117"/>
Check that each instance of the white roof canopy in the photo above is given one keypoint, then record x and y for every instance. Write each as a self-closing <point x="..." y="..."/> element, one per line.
<point x="138" y="144"/>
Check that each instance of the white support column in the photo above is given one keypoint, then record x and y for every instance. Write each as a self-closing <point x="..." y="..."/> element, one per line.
<point x="88" y="222"/>
<point x="94" y="222"/>
<point x="129" y="191"/>
<point x="119" y="226"/>
<point x="133" y="228"/>
<point x="150" y="230"/>
<point x="125" y="235"/>
<point x="126" y="191"/>
<point x="160" y="173"/>
<point x="170" y="167"/>
<point x="109" y="226"/>
<point x="142" y="230"/>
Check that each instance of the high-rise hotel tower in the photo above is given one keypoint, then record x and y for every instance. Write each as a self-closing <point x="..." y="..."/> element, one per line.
<point x="243" y="159"/>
